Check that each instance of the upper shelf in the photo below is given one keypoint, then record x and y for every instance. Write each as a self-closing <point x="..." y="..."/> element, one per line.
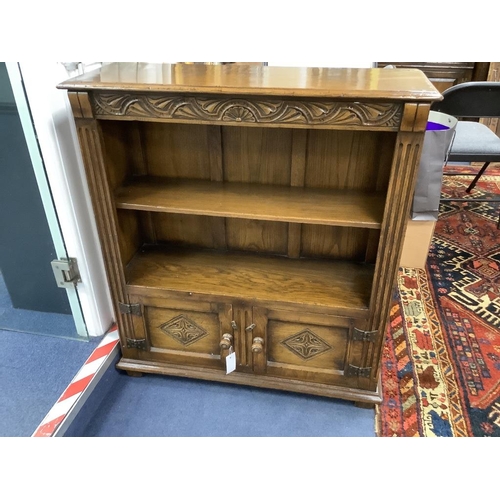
<point x="254" y="201"/>
<point x="339" y="83"/>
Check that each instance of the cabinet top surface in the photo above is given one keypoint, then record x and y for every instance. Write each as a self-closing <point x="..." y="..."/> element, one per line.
<point x="376" y="83"/>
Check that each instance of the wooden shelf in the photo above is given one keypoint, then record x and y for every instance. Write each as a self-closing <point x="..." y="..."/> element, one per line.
<point x="254" y="201"/>
<point x="272" y="280"/>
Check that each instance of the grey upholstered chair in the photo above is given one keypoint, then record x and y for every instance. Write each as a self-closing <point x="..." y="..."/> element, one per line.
<point x="473" y="142"/>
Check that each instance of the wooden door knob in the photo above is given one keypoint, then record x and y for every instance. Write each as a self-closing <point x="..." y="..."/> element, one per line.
<point x="227" y="341"/>
<point x="257" y="345"/>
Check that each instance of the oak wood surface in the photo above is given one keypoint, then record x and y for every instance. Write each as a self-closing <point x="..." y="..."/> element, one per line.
<point x="342" y="286"/>
<point x="362" y="83"/>
<point x="306" y="351"/>
<point x="332" y="242"/>
<point x="344" y="159"/>
<point x="257" y="155"/>
<point x="260" y="228"/>
<point x="352" y="208"/>
<point x="252" y="379"/>
<point x="256" y="236"/>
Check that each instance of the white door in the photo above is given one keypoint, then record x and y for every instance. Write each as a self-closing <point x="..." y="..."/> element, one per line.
<point x="50" y="139"/>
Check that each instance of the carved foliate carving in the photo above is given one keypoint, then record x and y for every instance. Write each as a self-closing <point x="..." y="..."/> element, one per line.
<point x="183" y="330"/>
<point x="306" y="344"/>
<point x="249" y="110"/>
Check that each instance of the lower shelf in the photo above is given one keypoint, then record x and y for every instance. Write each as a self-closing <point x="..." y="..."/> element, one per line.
<point x="357" y="395"/>
<point x="341" y="287"/>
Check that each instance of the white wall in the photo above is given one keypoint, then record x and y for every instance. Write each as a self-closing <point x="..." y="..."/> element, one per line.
<point x="58" y="142"/>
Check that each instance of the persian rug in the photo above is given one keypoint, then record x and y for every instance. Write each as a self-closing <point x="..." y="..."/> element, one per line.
<point x="441" y="360"/>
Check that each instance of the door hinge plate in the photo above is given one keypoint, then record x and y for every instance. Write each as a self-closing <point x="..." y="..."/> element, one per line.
<point x="136" y="344"/>
<point x="134" y="309"/>
<point x="363" y="335"/>
<point x="357" y="371"/>
<point x="66" y="272"/>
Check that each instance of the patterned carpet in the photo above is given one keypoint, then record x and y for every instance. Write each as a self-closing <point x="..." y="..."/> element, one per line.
<point x="441" y="361"/>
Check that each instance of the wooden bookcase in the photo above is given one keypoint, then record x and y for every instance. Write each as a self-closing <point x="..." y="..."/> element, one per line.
<point x="252" y="209"/>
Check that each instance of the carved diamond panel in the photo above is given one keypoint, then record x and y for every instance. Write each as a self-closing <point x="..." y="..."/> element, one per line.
<point x="306" y="344"/>
<point x="183" y="330"/>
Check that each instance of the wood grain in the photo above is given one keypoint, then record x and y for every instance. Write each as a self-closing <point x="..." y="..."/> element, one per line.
<point x="337" y="390"/>
<point x="257" y="155"/>
<point x="248" y="110"/>
<point x="342" y="286"/>
<point x="253" y="201"/>
<point x="256" y="236"/>
<point x="181" y="151"/>
<point x="347" y="160"/>
<point x="399" y="199"/>
<point x="282" y="197"/>
<point x="92" y="146"/>
<point x="343" y="83"/>
<point x="182" y="229"/>
<point x="347" y="243"/>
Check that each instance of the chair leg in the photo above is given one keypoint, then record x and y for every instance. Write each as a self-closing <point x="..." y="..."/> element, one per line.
<point x="479" y="174"/>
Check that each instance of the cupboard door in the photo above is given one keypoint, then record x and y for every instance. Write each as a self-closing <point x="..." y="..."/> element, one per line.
<point x="249" y="324"/>
<point x="311" y="348"/>
<point x="186" y="333"/>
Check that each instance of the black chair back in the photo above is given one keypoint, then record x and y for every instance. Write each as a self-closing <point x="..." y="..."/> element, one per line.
<point x="471" y="100"/>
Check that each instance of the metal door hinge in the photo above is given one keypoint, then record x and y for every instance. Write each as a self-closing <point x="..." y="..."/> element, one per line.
<point x="66" y="272"/>
<point x="134" y="309"/>
<point x="357" y="371"/>
<point x="136" y="344"/>
<point x="364" y="336"/>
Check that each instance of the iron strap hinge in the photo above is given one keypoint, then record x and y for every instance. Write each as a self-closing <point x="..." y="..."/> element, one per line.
<point x="357" y="371"/>
<point x="136" y="344"/>
<point x="134" y="309"/>
<point x="364" y="336"/>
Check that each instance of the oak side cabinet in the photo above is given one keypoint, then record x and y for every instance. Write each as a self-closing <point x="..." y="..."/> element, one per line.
<point x="252" y="209"/>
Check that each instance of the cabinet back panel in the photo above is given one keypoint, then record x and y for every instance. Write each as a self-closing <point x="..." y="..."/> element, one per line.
<point x="130" y="234"/>
<point x="191" y="230"/>
<point x="334" y="242"/>
<point x="322" y="158"/>
<point x="269" y="237"/>
<point x="260" y="155"/>
<point x="348" y="159"/>
<point x="257" y="236"/>
<point x="221" y="233"/>
<point x="177" y="150"/>
<point x="122" y="151"/>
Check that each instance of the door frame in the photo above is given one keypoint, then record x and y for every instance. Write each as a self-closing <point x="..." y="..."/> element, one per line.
<point x="53" y="146"/>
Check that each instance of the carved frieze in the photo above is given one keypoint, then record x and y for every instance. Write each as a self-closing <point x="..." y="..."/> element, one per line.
<point x="248" y="110"/>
